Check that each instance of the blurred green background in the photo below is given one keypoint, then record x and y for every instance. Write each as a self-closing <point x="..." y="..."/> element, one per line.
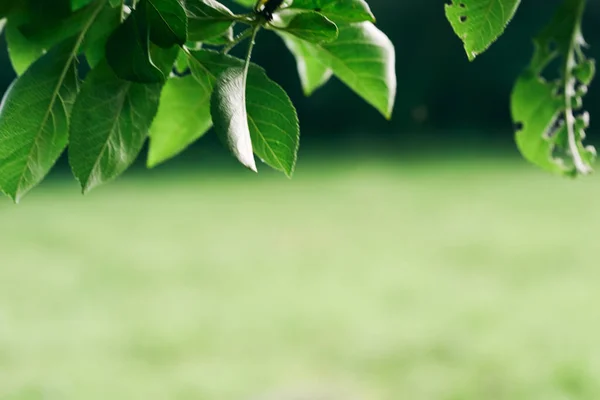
<point x="414" y="259"/>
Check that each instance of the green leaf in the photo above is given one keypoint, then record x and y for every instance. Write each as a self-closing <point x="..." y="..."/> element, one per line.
<point x="109" y="124"/>
<point x="313" y="73"/>
<point x="34" y="116"/>
<point x="181" y="63"/>
<point x="22" y="52"/>
<point x="128" y="49"/>
<point x="338" y="10"/>
<point x="552" y="125"/>
<point x="30" y="34"/>
<point x="207" y="19"/>
<point x="478" y="23"/>
<point x="228" y="110"/>
<point x="183" y="117"/>
<point x="221" y="40"/>
<point x="34" y="120"/>
<point x="2" y="23"/>
<point x="273" y="122"/>
<point x="310" y="26"/>
<point x="168" y="22"/>
<point x="94" y="45"/>
<point x="77" y="4"/>
<point x="271" y="117"/>
<point x="246" y="3"/>
<point x="364" y="59"/>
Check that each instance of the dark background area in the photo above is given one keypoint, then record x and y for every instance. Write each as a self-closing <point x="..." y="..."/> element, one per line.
<point x="443" y="99"/>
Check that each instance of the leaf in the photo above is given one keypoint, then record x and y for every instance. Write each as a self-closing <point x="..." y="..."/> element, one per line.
<point x="109" y="124"/>
<point x="228" y="110"/>
<point x="22" y="52"/>
<point x="246" y="3"/>
<point x="183" y="117"/>
<point x="128" y="49"/>
<point x="207" y="19"/>
<point x="34" y="116"/>
<point x="313" y="73"/>
<point x="181" y="63"/>
<point x="273" y="122"/>
<point x="77" y="4"/>
<point x="310" y="26"/>
<point x="34" y="120"/>
<point x="272" y="119"/>
<point x="338" y="10"/>
<point x="94" y="45"/>
<point x="364" y="59"/>
<point x="168" y="22"/>
<point x="552" y="126"/>
<point x="478" y="23"/>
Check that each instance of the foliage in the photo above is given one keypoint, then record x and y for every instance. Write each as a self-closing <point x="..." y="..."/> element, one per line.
<point x="549" y="120"/>
<point x="161" y="69"/>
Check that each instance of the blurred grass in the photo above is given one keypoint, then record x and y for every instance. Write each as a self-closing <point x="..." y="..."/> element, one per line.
<point x="360" y="280"/>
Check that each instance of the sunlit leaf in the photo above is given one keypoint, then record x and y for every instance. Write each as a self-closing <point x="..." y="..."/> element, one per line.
<point x="183" y="116"/>
<point x="313" y="73"/>
<point x="109" y="125"/>
<point x="480" y="22"/>
<point x="551" y="124"/>
<point x="338" y="10"/>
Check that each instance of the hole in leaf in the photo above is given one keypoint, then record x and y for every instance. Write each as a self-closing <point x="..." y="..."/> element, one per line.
<point x="518" y="126"/>
<point x="462" y="5"/>
<point x="463" y="18"/>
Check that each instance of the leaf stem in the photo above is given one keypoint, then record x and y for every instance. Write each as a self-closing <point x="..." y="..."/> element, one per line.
<point x="238" y="39"/>
<point x="255" y="30"/>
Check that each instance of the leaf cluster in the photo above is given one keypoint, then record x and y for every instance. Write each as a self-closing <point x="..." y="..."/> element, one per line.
<point x="546" y="102"/>
<point x="100" y="77"/>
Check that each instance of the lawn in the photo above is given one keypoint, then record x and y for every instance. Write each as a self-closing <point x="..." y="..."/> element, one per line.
<point x="362" y="280"/>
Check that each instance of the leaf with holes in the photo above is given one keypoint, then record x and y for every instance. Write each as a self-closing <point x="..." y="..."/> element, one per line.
<point x="551" y="122"/>
<point x="480" y="22"/>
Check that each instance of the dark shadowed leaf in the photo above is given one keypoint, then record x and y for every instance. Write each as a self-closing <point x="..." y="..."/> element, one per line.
<point x="207" y="19"/>
<point x="128" y="49"/>
<point x="168" y="22"/>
